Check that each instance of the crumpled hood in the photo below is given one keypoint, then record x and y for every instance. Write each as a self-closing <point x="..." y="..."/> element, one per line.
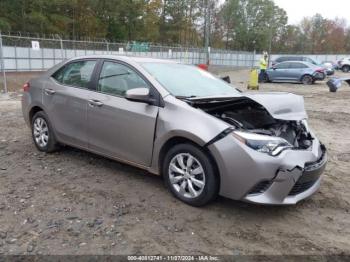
<point x="283" y="106"/>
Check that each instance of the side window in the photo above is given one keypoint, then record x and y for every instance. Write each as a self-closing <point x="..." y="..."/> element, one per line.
<point x="116" y="79"/>
<point x="282" y="66"/>
<point x="298" y="65"/>
<point x="58" y="75"/>
<point x="76" y="74"/>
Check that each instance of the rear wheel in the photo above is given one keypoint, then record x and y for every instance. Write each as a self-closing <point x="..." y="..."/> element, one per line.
<point x="190" y="175"/>
<point x="346" y="68"/>
<point x="42" y="133"/>
<point x="307" y="80"/>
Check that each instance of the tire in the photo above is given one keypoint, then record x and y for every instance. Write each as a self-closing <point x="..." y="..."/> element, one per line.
<point x="43" y="136"/>
<point x="307" y="80"/>
<point x="346" y="68"/>
<point x="323" y="77"/>
<point x="193" y="182"/>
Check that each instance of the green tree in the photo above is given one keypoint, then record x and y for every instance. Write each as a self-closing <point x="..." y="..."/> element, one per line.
<point x="251" y="24"/>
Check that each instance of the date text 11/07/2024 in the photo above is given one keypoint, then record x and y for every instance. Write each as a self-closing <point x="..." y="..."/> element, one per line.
<point x="173" y="258"/>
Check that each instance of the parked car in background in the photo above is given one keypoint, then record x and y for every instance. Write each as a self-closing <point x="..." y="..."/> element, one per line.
<point x="292" y="71"/>
<point x="328" y="70"/>
<point x="330" y="65"/>
<point x="344" y="64"/>
<point x="202" y="135"/>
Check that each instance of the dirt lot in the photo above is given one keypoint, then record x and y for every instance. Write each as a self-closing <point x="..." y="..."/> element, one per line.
<point x="73" y="202"/>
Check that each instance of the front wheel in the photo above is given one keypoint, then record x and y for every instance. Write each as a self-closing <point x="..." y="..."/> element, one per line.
<point x="307" y="80"/>
<point x="346" y="68"/>
<point x="190" y="175"/>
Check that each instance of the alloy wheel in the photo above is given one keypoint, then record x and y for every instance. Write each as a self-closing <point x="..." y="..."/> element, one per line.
<point x="41" y="132"/>
<point x="307" y="80"/>
<point x="186" y="175"/>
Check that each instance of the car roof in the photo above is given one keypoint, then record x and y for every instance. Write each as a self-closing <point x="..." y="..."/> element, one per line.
<point x="289" y="57"/>
<point x="131" y="60"/>
<point x="294" y="62"/>
<point x="125" y="58"/>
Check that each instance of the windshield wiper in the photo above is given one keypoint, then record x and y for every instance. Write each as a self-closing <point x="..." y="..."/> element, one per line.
<point x="185" y="97"/>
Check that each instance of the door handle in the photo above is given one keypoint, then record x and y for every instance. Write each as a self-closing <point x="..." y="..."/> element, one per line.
<point x="49" y="91"/>
<point x="94" y="103"/>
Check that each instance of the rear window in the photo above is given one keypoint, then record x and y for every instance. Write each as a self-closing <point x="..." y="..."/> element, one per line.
<point x="297" y="65"/>
<point x="76" y="74"/>
<point x="289" y="58"/>
<point x="280" y="59"/>
<point x="309" y="60"/>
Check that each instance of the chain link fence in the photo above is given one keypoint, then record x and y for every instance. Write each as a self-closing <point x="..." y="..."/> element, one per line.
<point x="28" y="53"/>
<point x="24" y="53"/>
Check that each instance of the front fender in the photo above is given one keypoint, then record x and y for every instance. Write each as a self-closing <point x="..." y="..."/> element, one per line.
<point x="180" y="120"/>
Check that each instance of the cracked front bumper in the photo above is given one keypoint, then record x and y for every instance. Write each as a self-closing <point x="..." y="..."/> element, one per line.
<point x="291" y="186"/>
<point x="251" y="176"/>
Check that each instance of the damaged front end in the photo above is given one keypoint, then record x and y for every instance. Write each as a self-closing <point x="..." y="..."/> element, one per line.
<point x="248" y="117"/>
<point x="277" y="159"/>
<point x="289" y="186"/>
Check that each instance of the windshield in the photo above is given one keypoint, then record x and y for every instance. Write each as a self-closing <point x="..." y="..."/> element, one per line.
<point x="188" y="81"/>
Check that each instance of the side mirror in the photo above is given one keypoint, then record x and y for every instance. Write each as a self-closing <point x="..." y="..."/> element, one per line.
<point x="274" y="68"/>
<point x="226" y="79"/>
<point x="139" y="95"/>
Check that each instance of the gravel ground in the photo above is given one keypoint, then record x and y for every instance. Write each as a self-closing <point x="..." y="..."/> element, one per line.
<point x="74" y="202"/>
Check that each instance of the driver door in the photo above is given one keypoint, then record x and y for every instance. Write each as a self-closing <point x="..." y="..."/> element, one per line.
<point x="279" y="72"/>
<point x="117" y="127"/>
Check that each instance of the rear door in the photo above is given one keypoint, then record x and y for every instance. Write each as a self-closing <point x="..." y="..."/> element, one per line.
<point x="118" y="127"/>
<point x="65" y="99"/>
<point x="296" y="71"/>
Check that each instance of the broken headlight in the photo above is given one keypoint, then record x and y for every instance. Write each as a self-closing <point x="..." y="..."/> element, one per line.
<point x="261" y="143"/>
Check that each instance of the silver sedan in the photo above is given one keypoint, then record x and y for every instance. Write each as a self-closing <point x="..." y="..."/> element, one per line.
<point x="204" y="137"/>
<point x="296" y="71"/>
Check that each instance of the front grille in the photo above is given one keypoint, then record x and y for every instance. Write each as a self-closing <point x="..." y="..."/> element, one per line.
<point x="300" y="187"/>
<point x="260" y="187"/>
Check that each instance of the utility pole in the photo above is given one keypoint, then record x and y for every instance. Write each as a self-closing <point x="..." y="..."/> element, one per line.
<point x="270" y="45"/>
<point x="207" y="31"/>
<point x="254" y="54"/>
<point x="271" y="33"/>
<point x="3" y="64"/>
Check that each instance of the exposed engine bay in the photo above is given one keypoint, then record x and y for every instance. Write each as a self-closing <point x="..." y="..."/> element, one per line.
<point x="247" y="115"/>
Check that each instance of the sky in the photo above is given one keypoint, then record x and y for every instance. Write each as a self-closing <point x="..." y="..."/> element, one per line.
<point x="297" y="9"/>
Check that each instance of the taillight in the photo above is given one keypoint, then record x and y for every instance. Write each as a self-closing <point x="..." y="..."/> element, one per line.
<point x="320" y="70"/>
<point x="203" y="66"/>
<point x="26" y="87"/>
